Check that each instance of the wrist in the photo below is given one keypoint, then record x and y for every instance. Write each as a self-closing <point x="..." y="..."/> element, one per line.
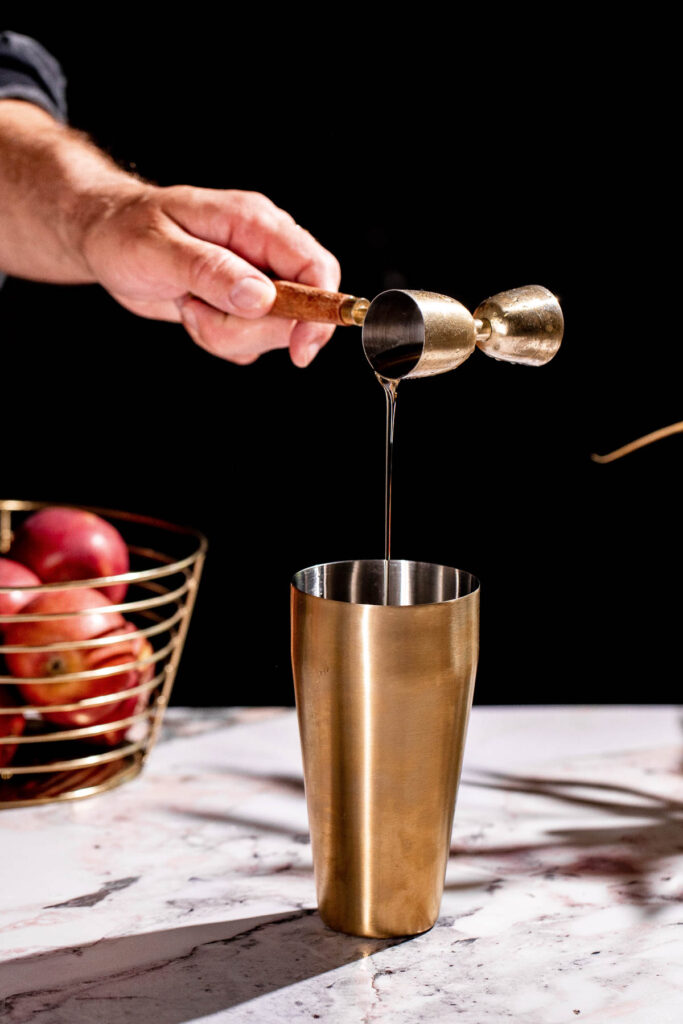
<point x="54" y="185"/>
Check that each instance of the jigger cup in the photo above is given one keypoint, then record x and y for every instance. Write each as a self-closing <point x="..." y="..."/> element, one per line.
<point x="383" y="693"/>
<point x="408" y="333"/>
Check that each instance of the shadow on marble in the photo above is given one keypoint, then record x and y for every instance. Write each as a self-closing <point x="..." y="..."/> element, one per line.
<point x="242" y="822"/>
<point x="177" y="975"/>
<point x="275" y="780"/>
<point x="628" y="854"/>
<point x="649" y="806"/>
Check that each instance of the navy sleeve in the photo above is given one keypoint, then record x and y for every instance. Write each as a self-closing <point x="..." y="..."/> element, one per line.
<point x="29" y="72"/>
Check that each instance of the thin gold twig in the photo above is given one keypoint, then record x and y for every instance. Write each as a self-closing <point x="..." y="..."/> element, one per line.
<point x="641" y="442"/>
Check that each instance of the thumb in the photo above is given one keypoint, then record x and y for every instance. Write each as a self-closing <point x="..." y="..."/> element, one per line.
<point x="220" y="278"/>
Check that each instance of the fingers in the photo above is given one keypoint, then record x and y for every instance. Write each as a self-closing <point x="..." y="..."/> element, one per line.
<point x="240" y="341"/>
<point x="243" y="341"/>
<point x="295" y="255"/>
<point x="219" y="276"/>
<point x="306" y="341"/>
<point x="200" y="252"/>
<point x="252" y="227"/>
<point x="226" y="282"/>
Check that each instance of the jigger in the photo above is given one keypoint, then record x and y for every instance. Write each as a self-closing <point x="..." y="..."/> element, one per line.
<point x="409" y="333"/>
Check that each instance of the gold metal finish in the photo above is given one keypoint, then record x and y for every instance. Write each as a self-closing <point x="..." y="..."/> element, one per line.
<point x="5" y="530"/>
<point x="523" y="325"/>
<point x="69" y="763"/>
<point x="410" y="333"/>
<point x="383" y="693"/>
<point x="353" y="311"/>
<point x="641" y="442"/>
<point x="53" y="762"/>
<point x="88" y="702"/>
<point x="482" y="331"/>
<point x="416" y="334"/>
<point x="71" y="785"/>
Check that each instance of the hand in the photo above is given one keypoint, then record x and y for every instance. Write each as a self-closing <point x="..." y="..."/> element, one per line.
<point x="192" y="254"/>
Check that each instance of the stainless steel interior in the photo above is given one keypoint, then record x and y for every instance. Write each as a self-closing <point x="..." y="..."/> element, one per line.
<point x="366" y="581"/>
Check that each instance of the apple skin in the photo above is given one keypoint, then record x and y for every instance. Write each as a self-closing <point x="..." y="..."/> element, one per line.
<point x="70" y="544"/>
<point x="10" y="725"/>
<point x="13" y="574"/>
<point x="127" y="708"/>
<point x="94" y="622"/>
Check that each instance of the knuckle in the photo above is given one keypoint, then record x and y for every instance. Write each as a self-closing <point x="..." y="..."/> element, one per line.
<point x="253" y="203"/>
<point x="262" y="201"/>
<point x="320" y="260"/>
<point x="333" y="266"/>
<point x="285" y="217"/>
<point x="322" y="270"/>
<point x="180" y="192"/>
<point x="207" y="265"/>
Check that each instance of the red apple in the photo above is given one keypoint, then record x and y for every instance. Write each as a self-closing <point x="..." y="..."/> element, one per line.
<point x="10" y="725"/>
<point x="94" y="622"/>
<point x="69" y="544"/>
<point x="126" y="708"/>
<point x="12" y="574"/>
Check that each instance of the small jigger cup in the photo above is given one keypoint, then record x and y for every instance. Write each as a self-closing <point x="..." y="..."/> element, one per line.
<point x="383" y="694"/>
<point x="408" y="333"/>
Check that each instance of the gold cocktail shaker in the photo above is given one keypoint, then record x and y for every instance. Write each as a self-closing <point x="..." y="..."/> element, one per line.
<point x="384" y="657"/>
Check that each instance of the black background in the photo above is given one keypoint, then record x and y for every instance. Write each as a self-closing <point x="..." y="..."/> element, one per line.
<point x="463" y="159"/>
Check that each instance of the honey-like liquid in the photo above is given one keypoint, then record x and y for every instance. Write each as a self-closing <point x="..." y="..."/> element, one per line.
<point x="391" y="393"/>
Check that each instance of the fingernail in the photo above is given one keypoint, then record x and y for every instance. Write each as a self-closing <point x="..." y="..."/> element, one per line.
<point x="251" y="294"/>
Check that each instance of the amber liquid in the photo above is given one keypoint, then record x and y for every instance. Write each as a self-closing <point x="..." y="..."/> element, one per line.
<point x="390" y="392"/>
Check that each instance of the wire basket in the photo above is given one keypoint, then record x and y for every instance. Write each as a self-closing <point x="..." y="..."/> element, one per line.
<point x="49" y="757"/>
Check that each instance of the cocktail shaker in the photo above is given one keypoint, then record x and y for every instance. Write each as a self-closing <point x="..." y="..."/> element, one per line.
<point x="383" y="694"/>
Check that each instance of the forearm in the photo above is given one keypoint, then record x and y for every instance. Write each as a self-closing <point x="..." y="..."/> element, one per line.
<point x="69" y="215"/>
<point x="53" y="184"/>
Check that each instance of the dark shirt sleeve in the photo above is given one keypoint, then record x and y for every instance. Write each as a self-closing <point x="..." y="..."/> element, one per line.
<point x="29" y="72"/>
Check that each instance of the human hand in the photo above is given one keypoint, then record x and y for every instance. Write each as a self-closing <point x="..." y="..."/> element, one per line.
<point x="191" y="254"/>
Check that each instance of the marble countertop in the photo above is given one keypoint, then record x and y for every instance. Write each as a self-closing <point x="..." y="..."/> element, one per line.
<point x="188" y="895"/>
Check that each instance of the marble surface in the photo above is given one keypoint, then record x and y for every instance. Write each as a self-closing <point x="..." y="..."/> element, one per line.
<point x="187" y="895"/>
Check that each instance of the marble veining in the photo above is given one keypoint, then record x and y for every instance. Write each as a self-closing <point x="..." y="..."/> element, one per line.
<point x="91" y="898"/>
<point x="188" y="895"/>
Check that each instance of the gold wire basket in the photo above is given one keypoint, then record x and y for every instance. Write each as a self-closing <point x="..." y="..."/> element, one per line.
<point x="62" y="762"/>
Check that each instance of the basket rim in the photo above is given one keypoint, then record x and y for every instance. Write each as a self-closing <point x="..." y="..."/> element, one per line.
<point x="95" y="582"/>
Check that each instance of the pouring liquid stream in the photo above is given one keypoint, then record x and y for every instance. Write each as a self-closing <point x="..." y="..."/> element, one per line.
<point x="394" y="364"/>
<point x="390" y="391"/>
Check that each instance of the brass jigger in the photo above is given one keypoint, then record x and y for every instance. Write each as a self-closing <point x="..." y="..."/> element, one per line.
<point x="409" y="333"/>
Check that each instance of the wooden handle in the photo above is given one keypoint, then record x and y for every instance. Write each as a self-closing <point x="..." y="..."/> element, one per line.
<point x="304" y="302"/>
